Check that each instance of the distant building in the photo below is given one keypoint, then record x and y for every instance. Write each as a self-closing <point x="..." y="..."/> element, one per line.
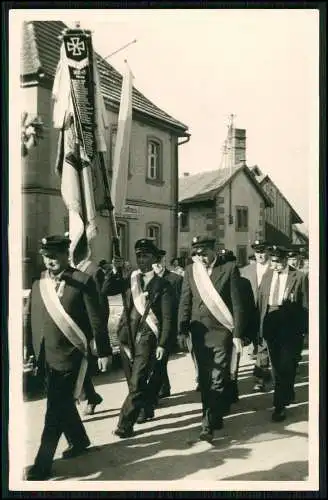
<point x="300" y="239"/>
<point x="280" y="218"/>
<point x="234" y="203"/>
<point x="152" y="195"/>
<point x="228" y="204"/>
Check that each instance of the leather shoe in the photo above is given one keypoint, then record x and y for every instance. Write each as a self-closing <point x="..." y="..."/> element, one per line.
<point x="259" y="388"/>
<point x="164" y="394"/>
<point x="279" y="415"/>
<point x="145" y="415"/>
<point x="206" y="434"/>
<point x="36" y="474"/>
<point x="74" y="451"/>
<point x="123" y="433"/>
<point x="90" y="408"/>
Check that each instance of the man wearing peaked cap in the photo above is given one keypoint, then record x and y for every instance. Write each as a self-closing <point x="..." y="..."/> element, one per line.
<point x="283" y="307"/>
<point x="63" y="316"/>
<point x="260" y="245"/>
<point x="304" y="260"/>
<point x="144" y="335"/>
<point x="293" y="258"/>
<point x="211" y="309"/>
<point x="175" y="283"/>
<point x="254" y="274"/>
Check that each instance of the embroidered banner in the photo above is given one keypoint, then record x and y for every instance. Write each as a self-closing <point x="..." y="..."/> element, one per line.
<point x="79" y="57"/>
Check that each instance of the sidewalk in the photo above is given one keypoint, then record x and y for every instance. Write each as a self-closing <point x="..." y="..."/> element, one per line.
<point x="250" y="447"/>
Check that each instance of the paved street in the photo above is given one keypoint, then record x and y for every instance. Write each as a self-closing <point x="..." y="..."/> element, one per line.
<point x="249" y="448"/>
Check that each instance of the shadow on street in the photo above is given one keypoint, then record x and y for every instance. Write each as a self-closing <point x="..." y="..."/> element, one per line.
<point x="170" y="449"/>
<point x="282" y="472"/>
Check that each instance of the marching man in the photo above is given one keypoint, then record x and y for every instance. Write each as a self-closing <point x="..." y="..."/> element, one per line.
<point x="283" y="306"/>
<point x="63" y="316"/>
<point x="254" y="274"/>
<point x="150" y="319"/>
<point x="211" y="309"/>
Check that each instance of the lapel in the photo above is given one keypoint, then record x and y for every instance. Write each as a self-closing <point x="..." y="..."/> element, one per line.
<point x="152" y="287"/>
<point x="253" y="280"/>
<point x="67" y="278"/>
<point x="166" y="273"/>
<point x="217" y="275"/>
<point x="266" y="285"/>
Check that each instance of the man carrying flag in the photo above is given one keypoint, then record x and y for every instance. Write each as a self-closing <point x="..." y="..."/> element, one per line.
<point x="80" y="116"/>
<point x="150" y="316"/>
<point x="63" y="316"/>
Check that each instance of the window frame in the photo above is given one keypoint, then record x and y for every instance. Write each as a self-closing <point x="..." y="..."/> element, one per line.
<point x="124" y="246"/>
<point x="158" y="226"/>
<point x="185" y="228"/>
<point x="242" y="228"/>
<point x="158" y="180"/>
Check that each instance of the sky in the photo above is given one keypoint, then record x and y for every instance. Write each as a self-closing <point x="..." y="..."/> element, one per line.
<point x="202" y="65"/>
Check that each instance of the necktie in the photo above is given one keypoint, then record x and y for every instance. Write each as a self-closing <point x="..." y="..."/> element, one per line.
<point x="142" y="281"/>
<point x="275" y="294"/>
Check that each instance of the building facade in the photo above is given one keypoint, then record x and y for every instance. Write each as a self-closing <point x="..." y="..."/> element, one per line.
<point x="152" y="194"/>
<point x="227" y="204"/>
<point x="281" y="217"/>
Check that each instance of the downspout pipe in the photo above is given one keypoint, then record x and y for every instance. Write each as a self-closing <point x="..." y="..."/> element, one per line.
<point x="176" y="217"/>
<point x="187" y="139"/>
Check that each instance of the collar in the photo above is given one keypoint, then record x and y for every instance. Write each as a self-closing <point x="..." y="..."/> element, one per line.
<point x="283" y="272"/>
<point x="149" y="275"/>
<point x="161" y="274"/>
<point x="262" y="266"/>
<point x="56" y="277"/>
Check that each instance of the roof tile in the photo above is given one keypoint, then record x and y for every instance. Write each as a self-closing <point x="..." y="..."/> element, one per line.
<point x="41" y="51"/>
<point x="204" y="186"/>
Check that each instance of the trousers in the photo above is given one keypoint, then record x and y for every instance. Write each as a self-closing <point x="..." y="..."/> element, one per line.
<point x="283" y="345"/>
<point x="213" y="348"/>
<point x="142" y="394"/>
<point x="61" y="417"/>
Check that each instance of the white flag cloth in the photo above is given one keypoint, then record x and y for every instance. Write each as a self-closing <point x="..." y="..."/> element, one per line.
<point x="72" y="165"/>
<point x="122" y="147"/>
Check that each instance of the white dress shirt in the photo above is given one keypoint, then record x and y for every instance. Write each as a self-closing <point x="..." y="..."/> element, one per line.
<point x="260" y="270"/>
<point x="282" y="286"/>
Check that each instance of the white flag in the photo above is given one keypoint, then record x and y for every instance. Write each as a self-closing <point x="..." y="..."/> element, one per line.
<point x="122" y="146"/>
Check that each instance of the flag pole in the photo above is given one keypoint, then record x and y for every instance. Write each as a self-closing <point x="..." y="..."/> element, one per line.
<point x="115" y="244"/>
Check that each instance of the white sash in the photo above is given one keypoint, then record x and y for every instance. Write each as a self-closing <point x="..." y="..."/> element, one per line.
<point x="211" y="297"/>
<point x="139" y="300"/>
<point x="66" y="325"/>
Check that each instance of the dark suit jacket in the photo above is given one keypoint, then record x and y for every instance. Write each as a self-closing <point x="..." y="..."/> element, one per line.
<point x="160" y="296"/>
<point x="98" y="275"/>
<point x="226" y="280"/>
<point x="175" y="281"/>
<point x="249" y="273"/>
<point x="80" y="301"/>
<point x="295" y="303"/>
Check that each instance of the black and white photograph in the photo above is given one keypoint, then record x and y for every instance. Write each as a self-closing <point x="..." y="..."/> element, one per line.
<point x="163" y="249"/>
